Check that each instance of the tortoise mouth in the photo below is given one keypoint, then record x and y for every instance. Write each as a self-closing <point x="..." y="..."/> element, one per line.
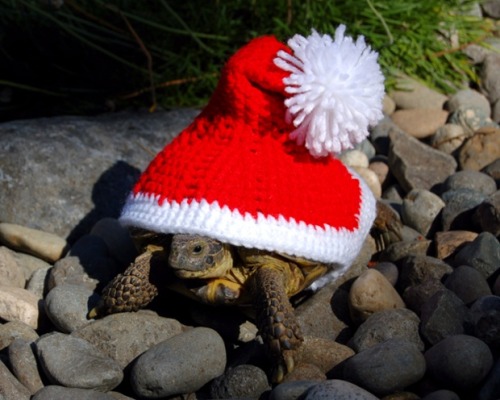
<point x="198" y="274"/>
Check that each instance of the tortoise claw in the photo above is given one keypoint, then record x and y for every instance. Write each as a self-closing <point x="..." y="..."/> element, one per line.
<point x="387" y="226"/>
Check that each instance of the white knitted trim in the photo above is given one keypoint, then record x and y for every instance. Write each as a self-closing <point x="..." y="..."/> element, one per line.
<point x="324" y="244"/>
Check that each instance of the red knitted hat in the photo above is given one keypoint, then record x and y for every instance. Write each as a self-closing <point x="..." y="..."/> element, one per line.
<point x="255" y="167"/>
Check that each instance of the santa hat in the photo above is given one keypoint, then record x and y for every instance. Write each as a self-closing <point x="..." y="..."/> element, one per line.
<point x="255" y="168"/>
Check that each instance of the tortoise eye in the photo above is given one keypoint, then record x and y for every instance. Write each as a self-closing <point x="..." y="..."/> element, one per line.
<point x="197" y="249"/>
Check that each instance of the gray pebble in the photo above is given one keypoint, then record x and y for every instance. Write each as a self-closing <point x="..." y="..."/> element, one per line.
<point x="482" y="254"/>
<point x="38" y="281"/>
<point x="388" y="324"/>
<point x="485" y="318"/>
<point x="467" y="283"/>
<point x="470" y="118"/>
<point x="418" y="269"/>
<point x="67" y="306"/>
<point x="10" y="387"/>
<point x="399" y="250"/>
<point x="459" y="362"/>
<point x="490" y="74"/>
<point x="10" y="272"/>
<point x="337" y="389"/>
<point x="488" y="214"/>
<point x="415" y="296"/>
<point x="117" y="239"/>
<point x="389" y="270"/>
<point x="459" y="209"/>
<point x="13" y="330"/>
<point x="441" y="395"/>
<point x="444" y="314"/>
<point x="291" y="390"/>
<point x="493" y="170"/>
<point x="420" y="209"/>
<point x="386" y="367"/>
<point x="468" y="98"/>
<point x="53" y="392"/>
<point x="181" y="364"/>
<point x="448" y="138"/>
<point x="242" y="381"/>
<point x="74" y="362"/>
<point x="24" y="365"/>
<point x="473" y="180"/>
<point x="30" y="264"/>
<point x="125" y="336"/>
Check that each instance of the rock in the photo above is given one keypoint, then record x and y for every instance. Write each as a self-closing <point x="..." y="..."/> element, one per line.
<point x="117" y="239"/>
<point x="54" y="392"/>
<point x="379" y="135"/>
<point x="459" y="209"/>
<point x="468" y="98"/>
<point x="381" y="169"/>
<point x="420" y="122"/>
<point x="366" y="147"/>
<point x="446" y="360"/>
<point x="491" y="8"/>
<point x="242" y="381"/>
<point x="37" y="283"/>
<point x="325" y="354"/>
<point x="490" y="74"/>
<point x="125" y="336"/>
<point x="493" y="170"/>
<point x="389" y="270"/>
<point x="396" y="251"/>
<point x="371" y="293"/>
<point x="496" y="112"/>
<point x="401" y="396"/>
<point x="488" y="214"/>
<point x="16" y="330"/>
<point x="67" y="306"/>
<point x="471" y="119"/>
<point x="386" y="367"/>
<point x="29" y="264"/>
<point x="482" y="254"/>
<point x="181" y="364"/>
<point x="476" y="53"/>
<point x="354" y="158"/>
<point x="467" y="283"/>
<point x="443" y="315"/>
<point x="58" y="355"/>
<point x="448" y="138"/>
<point x="18" y="304"/>
<point x="420" y="209"/>
<point x="24" y="365"/>
<point x="490" y="388"/>
<point x="10" y="387"/>
<point x="388" y="105"/>
<point x="480" y="150"/>
<point x="485" y="320"/>
<point x="371" y="180"/>
<point x="441" y="395"/>
<point x="418" y="269"/>
<point x="416" y="165"/>
<point x="496" y="286"/>
<point x="81" y="168"/>
<point x="47" y="246"/>
<point x="337" y="389"/>
<point x="410" y="94"/>
<point x="388" y="324"/>
<point x="449" y="242"/>
<point x="415" y="296"/>
<point x="305" y="372"/>
<point x="473" y="180"/>
<point x="291" y="390"/>
<point x="10" y="272"/>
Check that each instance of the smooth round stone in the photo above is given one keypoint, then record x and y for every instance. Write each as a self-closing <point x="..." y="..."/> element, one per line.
<point x="371" y="180"/>
<point x="117" y="239"/>
<point x="482" y="254"/>
<point x="54" y="392"/>
<point x="467" y="283"/>
<point x="29" y="264"/>
<point x="388" y="105"/>
<point x="354" y="158"/>
<point x="367" y="148"/>
<point x="291" y="390"/>
<point x="447" y="359"/>
<point x="411" y="93"/>
<point x="305" y="372"/>
<point x="448" y="138"/>
<point x="468" y="98"/>
<point x="495" y="114"/>
<point x="388" y="324"/>
<point x="443" y="315"/>
<point x="67" y="306"/>
<point x="420" y="209"/>
<point x="485" y="317"/>
<point x="447" y="243"/>
<point x="10" y="272"/>
<point x="10" y="387"/>
<point x="490" y="75"/>
<point x="37" y="284"/>
<point x="386" y="367"/>
<point x="242" y="381"/>
<point x="47" y="246"/>
<point x="124" y="336"/>
<point x="490" y="388"/>
<point x="324" y="353"/>
<point x="389" y="270"/>
<point x="58" y="354"/>
<point x="337" y="389"/>
<point x="181" y="364"/>
<point x="480" y="150"/>
<point x="493" y="169"/>
<point x="470" y="118"/>
<point x="401" y="396"/>
<point x="459" y="209"/>
<point x="24" y="365"/>
<point x="473" y="180"/>
<point x="441" y="395"/>
<point x="16" y="330"/>
<point x="488" y="214"/>
<point x="415" y="296"/>
<point x="381" y="169"/>
<point x="18" y="304"/>
<point x="417" y="269"/>
<point x="399" y="250"/>
<point x="420" y="122"/>
<point x="372" y="292"/>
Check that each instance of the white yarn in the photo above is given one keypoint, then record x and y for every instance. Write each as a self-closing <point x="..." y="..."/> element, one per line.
<point x="337" y="90"/>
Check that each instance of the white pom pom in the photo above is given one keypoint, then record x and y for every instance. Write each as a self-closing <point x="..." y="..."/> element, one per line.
<point x="336" y="89"/>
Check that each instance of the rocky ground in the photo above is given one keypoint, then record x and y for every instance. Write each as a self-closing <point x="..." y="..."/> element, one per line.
<point x="419" y="320"/>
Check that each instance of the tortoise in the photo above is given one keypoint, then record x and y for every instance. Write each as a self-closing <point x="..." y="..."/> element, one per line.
<point x="218" y="273"/>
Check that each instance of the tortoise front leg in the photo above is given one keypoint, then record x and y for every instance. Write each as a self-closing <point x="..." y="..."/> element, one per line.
<point x="276" y="319"/>
<point x="129" y="291"/>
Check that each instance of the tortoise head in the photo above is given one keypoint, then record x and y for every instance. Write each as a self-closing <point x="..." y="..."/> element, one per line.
<point x="193" y="256"/>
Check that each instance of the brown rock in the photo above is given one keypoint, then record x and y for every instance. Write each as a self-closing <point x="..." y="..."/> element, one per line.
<point x="10" y="272"/>
<point x="447" y="243"/>
<point x="381" y="169"/>
<point x="18" y="304"/>
<point x="480" y="150"/>
<point x="420" y="122"/>
<point x="324" y="353"/>
<point x="305" y="372"/>
<point x="411" y="94"/>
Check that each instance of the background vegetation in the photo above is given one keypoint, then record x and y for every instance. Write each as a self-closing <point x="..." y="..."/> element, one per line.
<point x="90" y="56"/>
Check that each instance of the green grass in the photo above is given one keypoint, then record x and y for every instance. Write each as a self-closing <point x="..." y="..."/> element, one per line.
<point x="89" y="56"/>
